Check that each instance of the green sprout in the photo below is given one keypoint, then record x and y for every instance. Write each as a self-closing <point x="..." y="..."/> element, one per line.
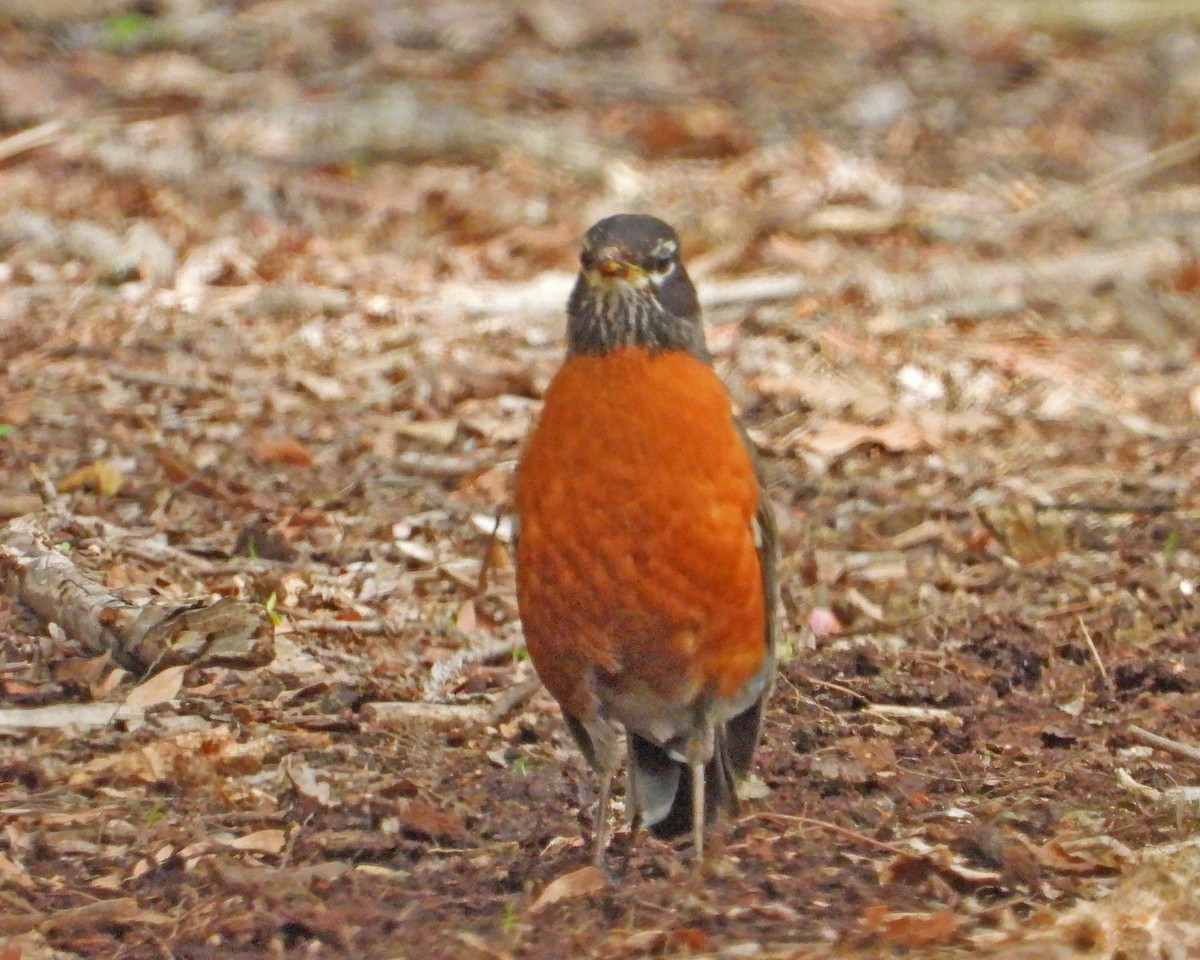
<point x="270" y="605"/>
<point x="509" y="918"/>
<point x="156" y="813"/>
<point x="1170" y="544"/>
<point x="126" y="30"/>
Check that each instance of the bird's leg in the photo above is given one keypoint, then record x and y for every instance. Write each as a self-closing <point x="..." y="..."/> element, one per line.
<point x="601" y="819"/>
<point x="698" y="812"/>
<point x="635" y="827"/>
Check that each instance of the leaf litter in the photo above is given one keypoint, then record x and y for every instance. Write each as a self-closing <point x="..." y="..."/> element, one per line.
<point x="280" y="290"/>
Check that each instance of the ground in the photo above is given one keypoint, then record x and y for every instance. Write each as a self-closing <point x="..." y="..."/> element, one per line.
<point x="281" y="287"/>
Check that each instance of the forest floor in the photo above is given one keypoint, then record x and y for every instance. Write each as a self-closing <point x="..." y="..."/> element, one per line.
<point x="281" y="284"/>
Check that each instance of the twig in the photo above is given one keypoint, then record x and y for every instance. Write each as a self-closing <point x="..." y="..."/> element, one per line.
<point x="1071" y="608"/>
<point x="1123" y="175"/>
<point x="432" y="466"/>
<point x="150" y="378"/>
<point x="1080" y="271"/>
<point x="367" y="628"/>
<point x="835" y="686"/>
<point x="1185" y="750"/>
<point x="897" y="711"/>
<point x="1133" y="786"/>
<point x="1153" y="509"/>
<point x="835" y="828"/>
<point x="1182" y="798"/>
<point x="30" y="139"/>
<point x="1087" y="636"/>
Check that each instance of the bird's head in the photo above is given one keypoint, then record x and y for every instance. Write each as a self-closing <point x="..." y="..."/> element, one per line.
<point x="633" y="290"/>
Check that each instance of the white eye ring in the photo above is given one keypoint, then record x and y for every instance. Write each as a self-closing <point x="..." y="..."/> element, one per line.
<point x="661" y="266"/>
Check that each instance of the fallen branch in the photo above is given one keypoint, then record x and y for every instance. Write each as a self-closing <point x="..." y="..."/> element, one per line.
<point x="59" y="716"/>
<point x="974" y="282"/>
<point x="1184" y="750"/>
<point x="141" y="638"/>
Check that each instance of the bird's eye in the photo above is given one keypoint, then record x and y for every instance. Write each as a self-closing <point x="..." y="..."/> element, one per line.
<point x="660" y="263"/>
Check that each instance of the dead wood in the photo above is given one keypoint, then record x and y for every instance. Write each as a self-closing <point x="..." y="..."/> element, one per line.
<point x="1185" y="750"/>
<point x="1136" y="261"/>
<point x="155" y="635"/>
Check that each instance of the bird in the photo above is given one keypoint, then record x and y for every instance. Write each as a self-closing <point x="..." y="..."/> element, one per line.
<point x="646" y="557"/>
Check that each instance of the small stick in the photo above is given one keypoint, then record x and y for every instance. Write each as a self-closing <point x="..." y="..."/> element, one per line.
<point x="1185" y="750"/>
<point x="30" y="139"/>
<point x="835" y="828"/>
<point x="324" y="625"/>
<point x="1095" y="653"/>
<point x="1153" y="509"/>
<point x="836" y="686"/>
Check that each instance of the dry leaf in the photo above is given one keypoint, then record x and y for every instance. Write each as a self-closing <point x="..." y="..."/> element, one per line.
<point x="323" y="388"/>
<point x="305" y="781"/>
<point x="911" y="929"/>
<point x="163" y="686"/>
<point x="467" y="620"/>
<point x="416" y="816"/>
<point x="436" y="433"/>
<point x="910" y="868"/>
<point x="102" y="477"/>
<point x="261" y="841"/>
<point x="837" y="439"/>
<point x="578" y="883"/>
<point x="84" y="671"/>
<point x="1084" y="856"/>
<point x="286" y="450"/>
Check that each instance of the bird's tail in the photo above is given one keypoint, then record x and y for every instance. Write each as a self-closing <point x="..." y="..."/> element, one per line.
<point x="661" y="786"/>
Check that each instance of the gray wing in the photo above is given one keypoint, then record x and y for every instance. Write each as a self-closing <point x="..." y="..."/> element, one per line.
<point x="742" y="732"/>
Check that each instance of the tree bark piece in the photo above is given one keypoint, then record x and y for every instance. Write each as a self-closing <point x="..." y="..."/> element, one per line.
<point x="159" y="634"/>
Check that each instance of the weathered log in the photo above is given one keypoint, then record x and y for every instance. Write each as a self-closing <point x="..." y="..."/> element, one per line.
<point x="140" y="637"/>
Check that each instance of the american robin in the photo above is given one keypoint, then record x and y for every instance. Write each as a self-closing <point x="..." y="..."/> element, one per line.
<point x="646" y="548"/>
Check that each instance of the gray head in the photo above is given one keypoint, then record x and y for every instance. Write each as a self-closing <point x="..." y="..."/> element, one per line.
<point x="633" y="290"/>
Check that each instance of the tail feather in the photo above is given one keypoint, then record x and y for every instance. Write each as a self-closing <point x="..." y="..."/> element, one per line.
<point x="654" y="779"/>
<point x="741" y="736"/>
<point x="662" y="786"/>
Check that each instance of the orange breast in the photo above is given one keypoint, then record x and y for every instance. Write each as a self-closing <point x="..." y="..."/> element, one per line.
<point x="636" y="556"/>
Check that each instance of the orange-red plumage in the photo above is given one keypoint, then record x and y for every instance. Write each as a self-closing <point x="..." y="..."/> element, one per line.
<point x="637" y="497"/>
